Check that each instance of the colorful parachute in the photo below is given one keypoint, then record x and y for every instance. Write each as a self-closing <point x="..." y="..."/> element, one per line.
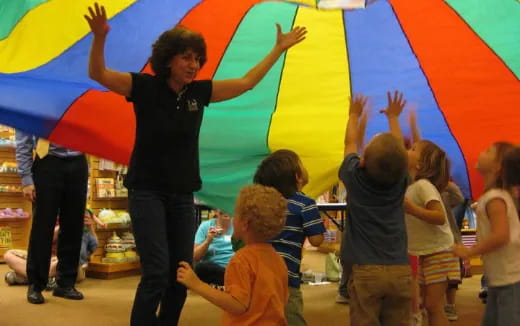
<point x="458" y="60"/>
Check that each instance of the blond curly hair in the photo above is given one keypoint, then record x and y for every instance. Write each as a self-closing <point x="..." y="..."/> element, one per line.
<point x="263" y="208"/>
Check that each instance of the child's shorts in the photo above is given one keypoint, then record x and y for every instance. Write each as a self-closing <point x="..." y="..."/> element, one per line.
<point x="438" y="267"/>
<point x="414" y="262"/>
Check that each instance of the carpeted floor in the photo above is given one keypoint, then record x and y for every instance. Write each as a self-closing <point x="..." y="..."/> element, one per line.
<point x="109" y="303"/>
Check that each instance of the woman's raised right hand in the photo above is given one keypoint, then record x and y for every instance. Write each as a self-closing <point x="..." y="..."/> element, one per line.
<point x="97" y="20"/>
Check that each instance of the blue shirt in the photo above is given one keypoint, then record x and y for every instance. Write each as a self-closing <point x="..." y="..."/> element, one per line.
<point x="220" y="249"/>
<point x="25" y="144"/>
<point x="376" y="231"/>
<point x="303" y="220"/>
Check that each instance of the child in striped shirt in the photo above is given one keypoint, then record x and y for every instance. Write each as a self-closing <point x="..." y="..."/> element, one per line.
<point x="283" y="170"/>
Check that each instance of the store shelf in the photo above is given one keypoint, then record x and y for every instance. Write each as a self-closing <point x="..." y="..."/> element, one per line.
<point x="7" y="149"/>
<point x="114" y="227"/>
<point x="11" y="194"/>
<point x="113" y="270"/>
<point x="9" y="175"/>
<point x="110" y="198"/>
<point x="13" y="219"/>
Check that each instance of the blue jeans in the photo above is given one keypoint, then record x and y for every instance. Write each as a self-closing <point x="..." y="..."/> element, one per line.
<point x="164" y="231"/>
<point x="503" y="305"/>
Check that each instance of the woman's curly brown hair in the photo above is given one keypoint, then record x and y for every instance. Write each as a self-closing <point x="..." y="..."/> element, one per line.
<point x="172" y="42"/>
<point x="264" y="208"/>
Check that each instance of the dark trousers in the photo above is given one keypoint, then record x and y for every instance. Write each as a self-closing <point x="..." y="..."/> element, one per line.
<point x="164" y="231"/>
<point x="61" y="190"/>
<point x="210" y="273"/>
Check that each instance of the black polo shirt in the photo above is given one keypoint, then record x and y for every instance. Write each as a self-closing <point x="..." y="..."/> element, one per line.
<point x="166" y="150"/>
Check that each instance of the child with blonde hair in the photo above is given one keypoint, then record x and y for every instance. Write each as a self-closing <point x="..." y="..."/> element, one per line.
<point x="498" y="234"/>
<point x="375" y="235"/>
<point x="429" y="234"/>
<point x="255" y="281"/>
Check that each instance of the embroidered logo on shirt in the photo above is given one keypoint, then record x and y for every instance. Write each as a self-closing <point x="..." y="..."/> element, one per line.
<point x="192" y="105"/>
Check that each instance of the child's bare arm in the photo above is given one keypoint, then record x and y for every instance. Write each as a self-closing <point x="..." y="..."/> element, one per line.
<point x="352" y="132"/>
<point x="396" y="104"/>
<point x="499" y="236"/>
<point x="414" y="127"/>
<point x="433" y="213"/>
<point x="223" y="300"/>
<point x="362" y="131"/>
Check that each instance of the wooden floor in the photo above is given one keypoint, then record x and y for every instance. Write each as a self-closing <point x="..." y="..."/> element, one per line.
<point x="108" y="302"/>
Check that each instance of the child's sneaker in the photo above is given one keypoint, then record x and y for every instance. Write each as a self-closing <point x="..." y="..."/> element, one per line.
<point x="451" y="312"/>
<point x="483" y="294"/>
<point x="51" y="284"/>
<point x="11" y="278"/>
<point x="342" y="299"/>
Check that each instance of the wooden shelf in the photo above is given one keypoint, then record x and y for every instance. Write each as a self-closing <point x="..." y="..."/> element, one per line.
<point x="468" y="230"/>
<point x="114" y="227"/>
<point x="110" y="198"/>
<point x="110" y="271"/>
<point x="14" y="219"/>
<point x="7" y="149"/>
<point x="9" y="175"/>
<point x="11" y="194"/>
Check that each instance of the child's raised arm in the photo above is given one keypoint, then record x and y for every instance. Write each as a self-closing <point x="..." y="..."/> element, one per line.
<point x="352" y="132"/>
<point x="392" y="111"/>
<point x="414" y="127"/>
<point x="362" y="131"/>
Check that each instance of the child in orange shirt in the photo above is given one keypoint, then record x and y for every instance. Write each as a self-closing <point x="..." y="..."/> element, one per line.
<point x="255" y="281"/>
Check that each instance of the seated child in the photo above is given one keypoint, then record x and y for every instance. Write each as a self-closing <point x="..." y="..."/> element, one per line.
<point x="256" y="277"/>
<point x="89" y="243"/>
<point x="16" y="259"/>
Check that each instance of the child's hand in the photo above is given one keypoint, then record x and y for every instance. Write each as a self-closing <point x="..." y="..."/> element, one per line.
<point x="409" y="206"/>
<point x="395" y="104"/>
<point x="357" y="104"/>
<point x="461" y="251"/>
<point x="186" y="276"/>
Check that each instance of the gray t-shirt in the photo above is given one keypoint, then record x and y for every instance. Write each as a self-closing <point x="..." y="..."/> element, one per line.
<point x="375" y="233"/>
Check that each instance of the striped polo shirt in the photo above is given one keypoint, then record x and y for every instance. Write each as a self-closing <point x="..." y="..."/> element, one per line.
<point x="303" y="220"/>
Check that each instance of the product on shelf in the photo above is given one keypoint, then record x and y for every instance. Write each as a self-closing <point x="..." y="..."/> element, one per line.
<point x="105" y="188"/>
<point x="119" y="250"/>
<point x="9" y="167"/>
<point x="7" y="142"/>
<point x="13" y="213"/>
<point x="109" y="216"/>
<point x="10" y="188"/>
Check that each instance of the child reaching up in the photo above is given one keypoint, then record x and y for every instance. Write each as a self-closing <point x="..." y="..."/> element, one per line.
<point x="429" y="234"/>
<point x="375" y="235"/>
<point x="498" y="234"/>
<point x="284" y="171"/>
<point x="255" y="281"/>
